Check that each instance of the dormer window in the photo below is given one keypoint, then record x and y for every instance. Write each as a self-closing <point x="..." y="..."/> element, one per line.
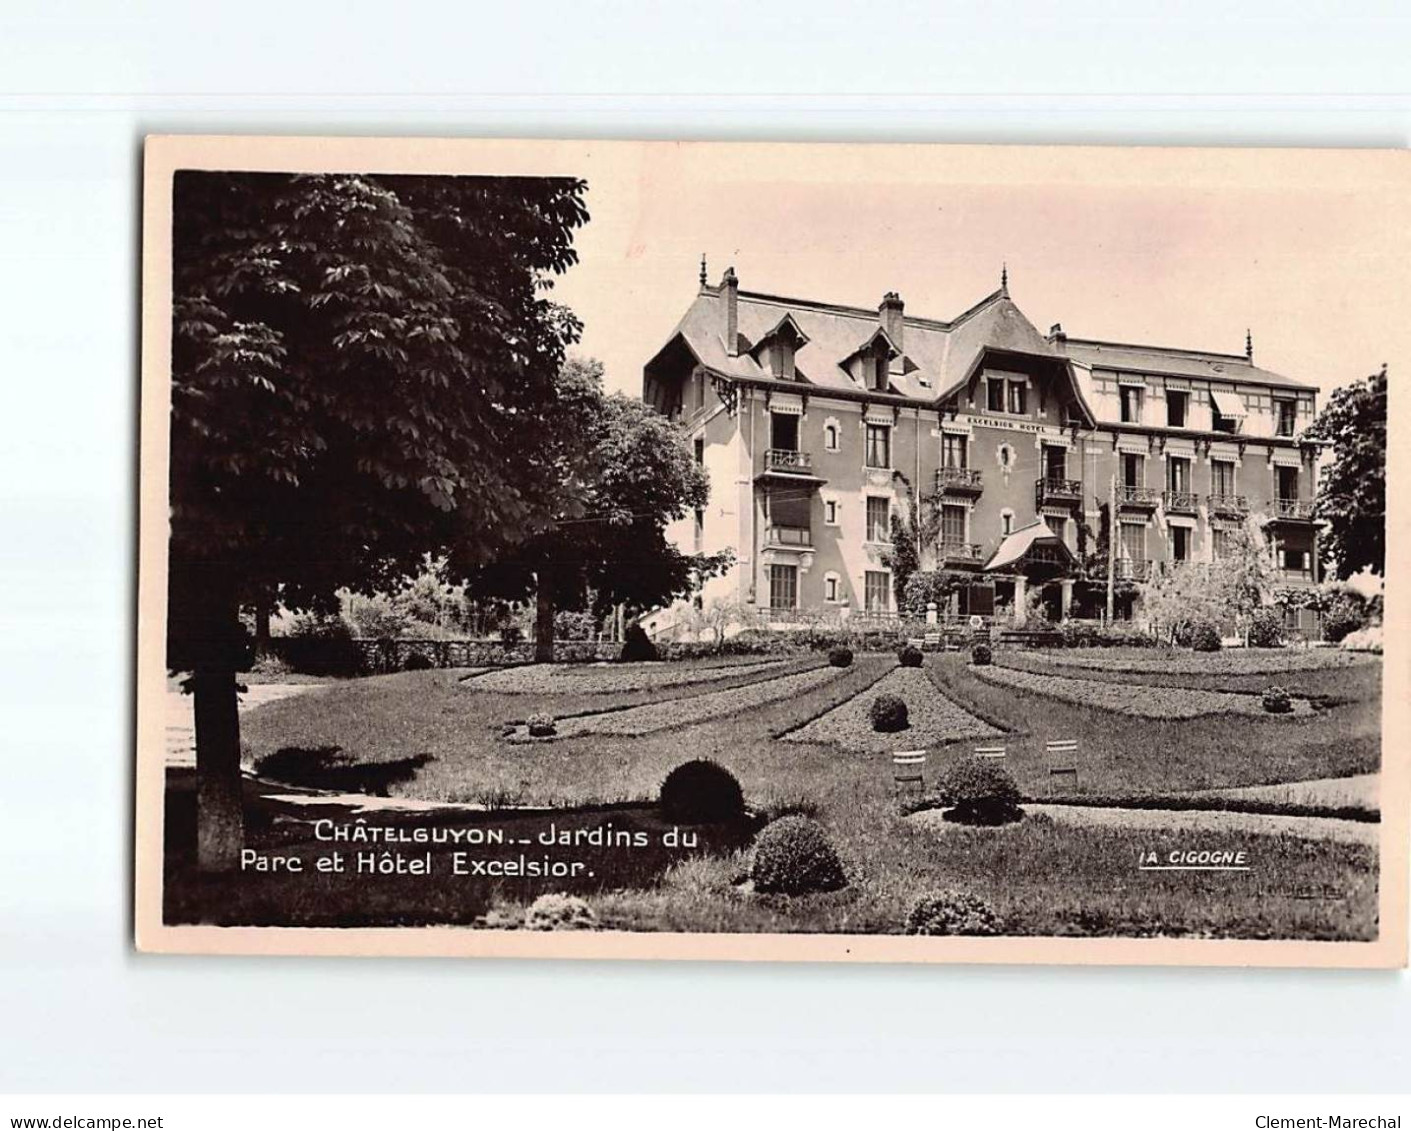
<point x="776" y="350"/>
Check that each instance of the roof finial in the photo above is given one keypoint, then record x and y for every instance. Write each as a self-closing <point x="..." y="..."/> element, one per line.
<point x="703" y="269"/>
<point x="1004" y="279"/>
<point x="1248" y="345"/>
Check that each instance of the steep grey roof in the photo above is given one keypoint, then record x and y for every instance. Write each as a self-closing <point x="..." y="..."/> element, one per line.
<point x="1174" y="362"/>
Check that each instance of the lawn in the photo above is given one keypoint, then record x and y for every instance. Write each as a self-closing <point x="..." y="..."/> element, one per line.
<point x="1041" y="878"/>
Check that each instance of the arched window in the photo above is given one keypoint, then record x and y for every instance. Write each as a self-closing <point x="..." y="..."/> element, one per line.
<point x="830" y="436"/>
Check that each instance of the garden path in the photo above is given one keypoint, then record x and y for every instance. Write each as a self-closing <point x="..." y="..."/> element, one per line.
<point x="181" y="722"/>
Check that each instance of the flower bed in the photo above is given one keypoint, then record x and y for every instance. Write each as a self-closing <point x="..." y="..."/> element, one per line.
<point x="934" y="718"/>
<point x="649" y="717"/>
<point x="1232" y="661"/>
<point x="608" y="679"/>
<point x="1136" y="699"/>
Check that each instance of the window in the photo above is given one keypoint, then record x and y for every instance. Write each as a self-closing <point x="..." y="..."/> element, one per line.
<point x="1180" y="543"/>
<point x="1288" y="415"/>
<point x="784" y="431"/>
<point x="1178" y="474"/>
<point x="953" y="450"/>
<point x="1055" y="462"/>
<point x="876" y="591"/>
<point x="1226" y="411"/>
<point x="1134" y="541"/>
<point x="1176" y="408"/>
<point x="1293" y="559"/>
<point x="1222" y="477"/>
<point x="1131" y="470"/>
<point x="879" y="519"/>
<point x="1006" y="523"/>
<point x="700" y="528"/>
<point x="1131" y="398"/>
<point x="1220" y="541"/>
<point x="1018" y="398"/>
<point x="1287" y="482"/>
<point x="830" y="437"/>
<point x="783" y="586"/>
<point x="879" y="445"/>
<point x="830" y="512"/>
<point x="1059" y="525"/>
<point x="700" y="450"/>
<point x="698" y="390"/>
<point x="952" y="525"/>
<point x="994" y="394"/>
<point x="830" y="587"/>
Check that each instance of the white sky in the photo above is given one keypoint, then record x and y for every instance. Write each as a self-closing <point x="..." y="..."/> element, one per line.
<point x="1165" y="247"/>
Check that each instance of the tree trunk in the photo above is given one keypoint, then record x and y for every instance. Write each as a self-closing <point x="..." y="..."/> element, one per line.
<point x="544" y="621"/>
<point x="220" y="819"/>
<point x="264" y="606"/>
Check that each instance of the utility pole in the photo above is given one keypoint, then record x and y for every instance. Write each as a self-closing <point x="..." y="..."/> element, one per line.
<point x="1111" y="545"/>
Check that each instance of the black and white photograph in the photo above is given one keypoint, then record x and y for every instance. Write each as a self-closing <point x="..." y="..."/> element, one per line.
<point x="904" y="548"/>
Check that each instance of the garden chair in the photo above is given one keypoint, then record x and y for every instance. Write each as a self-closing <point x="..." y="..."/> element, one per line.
<point x="989" y="751"/>
<point x="1063" y="757"/>
<point x="909" y="771"/>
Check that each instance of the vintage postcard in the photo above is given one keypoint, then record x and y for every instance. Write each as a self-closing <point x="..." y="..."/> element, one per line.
<point x="769" y="551"/>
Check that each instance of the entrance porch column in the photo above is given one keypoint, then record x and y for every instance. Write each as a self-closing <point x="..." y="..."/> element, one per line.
<point x="1065" y="601"/>
<point x="1021" y="591"/>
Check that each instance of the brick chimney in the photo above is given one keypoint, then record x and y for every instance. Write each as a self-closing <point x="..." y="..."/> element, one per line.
<point x="889" y="316"/>
<point x="730" y="291"/>
<point x="1057" y="334"/>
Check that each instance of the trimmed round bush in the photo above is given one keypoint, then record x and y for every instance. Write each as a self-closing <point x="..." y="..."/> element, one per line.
<point x="888" y="714"/>
<point x="840" y="657"/>
<point x="951" y="913"/>
<point x="793" y="856"/>
<point x="1277" y="701"/>
<point x="981" y="654"/>
<point x="417" y="662"/>
<point x="1266" y="628"/>
<point x="1342" y="617"/>
<point x="541" y="726"/>
<point x="638" y="646"/>
<point x="555" y="911"/>
<point x="1205" y="637"/>
<point x="979" y="793"/>
<point x="910" y="656"/>
<point x="701" y="792"/>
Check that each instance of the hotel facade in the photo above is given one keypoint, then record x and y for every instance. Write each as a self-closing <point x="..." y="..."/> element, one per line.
<point x="816" y="423"/>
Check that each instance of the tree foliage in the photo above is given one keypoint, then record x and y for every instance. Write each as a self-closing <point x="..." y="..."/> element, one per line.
<point x="1352" y="490"/>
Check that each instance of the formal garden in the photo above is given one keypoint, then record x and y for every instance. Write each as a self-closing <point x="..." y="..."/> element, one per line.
<point x="786" y="806"/>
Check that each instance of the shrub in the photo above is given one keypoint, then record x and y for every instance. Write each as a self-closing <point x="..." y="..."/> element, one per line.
<point x="511" y="634"/>
<point x="1266" y="628"/>
<point x="1367" y="639"/>
<point x="541" y="726"/>
<point x="555" y="911"/>
<point x="320" y="646"/>
<point x="910" y="656"/>
<point x="417" y="662"/>
<point x="888" y="714"/>
<point x="1342" y="617"/>
<point x="793" y="856"/>
<point x="840" y="657"/>
<point x="701" y="792"/>
<point x="638" y="646"/>
<point x="951" y="913"/>
<point x="1277" y="701"/>
<point x="981" y="654"/>
<point x="980" y="792"/>
<point x="1205" y="637"/>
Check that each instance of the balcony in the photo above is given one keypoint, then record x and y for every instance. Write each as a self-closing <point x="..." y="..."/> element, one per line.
<point x="1136" y="498"/>
<point x="1180" y="502"/>
<point x="789" y="537"/>
<point x="1291" y="510"/>
<point x="960" y="553"/>
<point x="1236" y="506"/>
<point x="1132" y="569"/>
<point x="958" y="481"/>
<point x="787" y="465"/>
<point x="1063" y="492"/>
<point x="1290" y="576"/>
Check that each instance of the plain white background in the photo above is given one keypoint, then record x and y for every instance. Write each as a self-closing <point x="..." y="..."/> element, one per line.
<point x="80" y="84"/>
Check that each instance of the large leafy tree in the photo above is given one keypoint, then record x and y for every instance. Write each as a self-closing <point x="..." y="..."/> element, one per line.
<point x="1352" y="492"/>
<point x="364" y="371"/>
<point x="625" y="472"/>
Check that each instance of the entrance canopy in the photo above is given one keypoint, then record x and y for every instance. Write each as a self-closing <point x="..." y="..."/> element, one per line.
<point x="1035" y="545"/>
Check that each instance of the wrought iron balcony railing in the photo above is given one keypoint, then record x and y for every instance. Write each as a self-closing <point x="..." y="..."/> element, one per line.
<point x="1182" y="502"/>
<point x="1132" y="569"/>
<point x="1300" y="509"/>
<point x="958" y="481"/>
<point x="965" y="553"/>
<point x="783" y="459"/>
<point x="1229" y="504"/>
<point x="1057" y="491"/>
<point x="1131" y="495"/>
